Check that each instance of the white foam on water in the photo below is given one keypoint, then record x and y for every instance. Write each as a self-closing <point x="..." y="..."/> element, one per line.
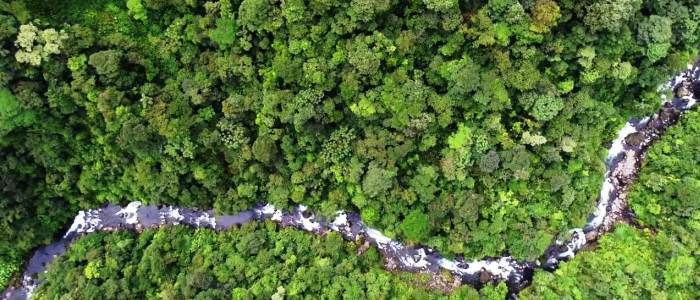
<point x="378" y="237"/>
<point x="276" y="216"/>
<point x="690" y="102"/>
<point x="569" y="253"/>
<point x="85" y="222"/>
<point x="78" y="223"/>
<point x="30" y="284"/>
<point x="644" y="121"/>
<point x="602" y="207"/>
<point x="608" y="187"/>
<point x="578" y="240"/>
<point x="130" y="212"/>
<point x="174" y="213"/>
<point x="420" y="262"/>
<point x="500" y="268"/>
<point x="271" y="211"/>
<point x="341" y="220"/>
<point x="205" y="220"/>
<point x="671" y="84"/>
<point x="617" y="206"/>
<point x="268" y="209"/>
<point x="308" y="224"/>
<point x="450" y="265"/>
<point x="618" y="144"/>
<point x="678" y="79"/>
<point x="627" y="166"/>
<point x="302" y="208"/>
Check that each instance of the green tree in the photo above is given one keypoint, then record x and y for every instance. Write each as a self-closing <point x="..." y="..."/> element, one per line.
<point x="377" y="181"/>
<point x="543" y="107"/>
<point x="224" y="34"/>
<point x="136" y="9"/>
<point x="415" y="226"/>
<point x="610" y="14"/>
<point x="265" y="149"/>
<point x="678" y="270"/>
<point x="656" y="33"/>
<point x="366" y="10"/>
<point x="461" y="139"/>
<point x="544" y="16"/>
<point x="424" y="183"/>
<point x="11" y="113"/>
<point x="8" y="27"/>
<point x="441" y="5"/>
<point x="106" y="63"/>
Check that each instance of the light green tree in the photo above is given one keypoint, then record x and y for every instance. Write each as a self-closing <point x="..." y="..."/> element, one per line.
<point x="37" y="45"/>
<point x="136" y="9"/>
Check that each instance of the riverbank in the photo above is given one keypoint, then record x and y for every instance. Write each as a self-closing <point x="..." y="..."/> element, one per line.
<point x="623" y="163"/>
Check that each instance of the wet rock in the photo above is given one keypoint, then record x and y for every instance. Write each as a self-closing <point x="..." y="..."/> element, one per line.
<point x="390" y="264"/>
<point x="591" y="236"/>
<point x="485" y="277"/>
<point x="635" y="140"/>
<point x="626" y="169"/>
<point x="695" y="88"/>
<point x="518" y="283"/>
<point x="683" y="90"/>
<point x="361" y="250"/>
<point x="443" y="282"/>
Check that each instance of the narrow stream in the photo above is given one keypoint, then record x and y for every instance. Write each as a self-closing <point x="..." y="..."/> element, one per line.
<point x="625" y="156"/>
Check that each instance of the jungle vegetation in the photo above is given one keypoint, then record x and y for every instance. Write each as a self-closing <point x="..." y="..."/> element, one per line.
<point x="653" y="259"/>
<point x="657" y="258"/>
<point x="257" y="261"/>
<point x="474" y="127"/>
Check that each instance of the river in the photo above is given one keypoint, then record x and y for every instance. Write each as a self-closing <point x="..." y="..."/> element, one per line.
<point x="623" y="163"/>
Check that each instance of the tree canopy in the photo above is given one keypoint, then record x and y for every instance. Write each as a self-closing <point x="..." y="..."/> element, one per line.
<point x="474" y="127"/>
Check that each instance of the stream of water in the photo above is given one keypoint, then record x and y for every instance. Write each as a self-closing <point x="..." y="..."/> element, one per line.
<point x="623" y="162"/>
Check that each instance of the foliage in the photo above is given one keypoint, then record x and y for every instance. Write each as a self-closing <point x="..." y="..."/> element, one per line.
<point x="225" y="32"/>
<point x="440" y="5"/>
<point x="255" y="261"/>
<point x="543" y="107"/>
<point x="35" y="46"/>
<point x="545" y="16"/>
<point x="656" y="33"/>
<point x="659" y="261"/>
<point x="381" y="107"/>
<point x="12" y="115"/>
<point x="7" y="270"/>
<point x="611" y="14"/>
<point x="415" y="226"/>
<point x="533" y="139"/>
<point x="377" y="181"/>
<point x="136" y="9"/>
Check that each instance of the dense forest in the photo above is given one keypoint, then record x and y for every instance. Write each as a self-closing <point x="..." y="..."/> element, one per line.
<point x="474" y="127"/>
<point x="659" y="258"/>
<point x="254" y="262"/>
